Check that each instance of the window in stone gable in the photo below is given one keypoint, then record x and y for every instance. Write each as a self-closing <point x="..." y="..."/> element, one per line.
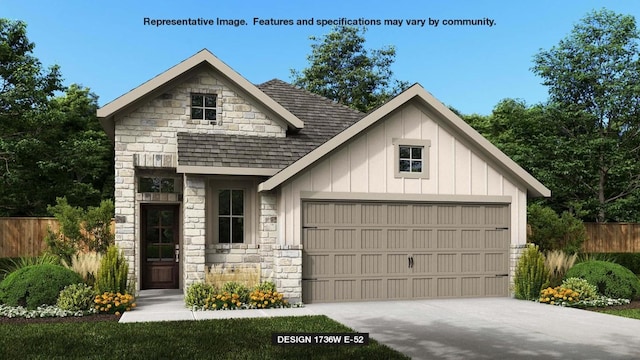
<point x="203" y="107"/>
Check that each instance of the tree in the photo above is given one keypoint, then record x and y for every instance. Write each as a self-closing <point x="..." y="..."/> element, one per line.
<point x="593" y="77"/>
<point x="49" y="146"/>
<point x="342" y="70"/>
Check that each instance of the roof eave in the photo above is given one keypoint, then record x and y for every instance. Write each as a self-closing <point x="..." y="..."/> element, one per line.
<point x="533" y="186"/>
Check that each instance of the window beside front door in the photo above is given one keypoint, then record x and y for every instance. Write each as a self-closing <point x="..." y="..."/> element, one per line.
<point x="231" y="216"/>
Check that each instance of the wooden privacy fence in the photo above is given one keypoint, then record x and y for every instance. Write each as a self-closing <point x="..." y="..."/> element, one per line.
<point x="614" y="237"/>
<point x="24" y="236"/>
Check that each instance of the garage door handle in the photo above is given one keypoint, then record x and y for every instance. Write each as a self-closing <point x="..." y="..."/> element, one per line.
<point x="498" y="275"/>
<point x="410" y="262"/>
<point x="312" y="279"/>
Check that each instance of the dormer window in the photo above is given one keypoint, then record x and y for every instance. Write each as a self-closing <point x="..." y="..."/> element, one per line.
<point x="203" y="107"/>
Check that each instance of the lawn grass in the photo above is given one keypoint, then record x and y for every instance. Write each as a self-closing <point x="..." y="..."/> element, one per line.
<point x="629" y="313"/>
<point x="210" y="339"/>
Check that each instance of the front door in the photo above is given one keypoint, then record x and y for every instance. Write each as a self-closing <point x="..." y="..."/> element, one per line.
<point x="160" y="246"/>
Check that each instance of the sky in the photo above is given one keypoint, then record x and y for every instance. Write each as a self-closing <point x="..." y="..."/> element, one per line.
<point x="107" y="47"/>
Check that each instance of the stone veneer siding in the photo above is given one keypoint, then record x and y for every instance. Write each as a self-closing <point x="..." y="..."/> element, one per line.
<point x="147" y="139"/>
<point x="514" y="256"/>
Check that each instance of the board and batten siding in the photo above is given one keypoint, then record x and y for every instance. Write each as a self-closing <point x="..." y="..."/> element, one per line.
<point x="365" y="164"/>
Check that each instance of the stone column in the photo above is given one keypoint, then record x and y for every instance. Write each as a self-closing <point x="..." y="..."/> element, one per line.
<point x="193" y="230"/>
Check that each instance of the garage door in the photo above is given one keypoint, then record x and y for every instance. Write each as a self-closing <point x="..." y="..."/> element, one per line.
<point x="355" y="251"/>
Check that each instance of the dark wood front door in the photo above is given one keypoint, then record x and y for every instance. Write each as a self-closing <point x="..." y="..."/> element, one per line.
<point x="159" y="243"/>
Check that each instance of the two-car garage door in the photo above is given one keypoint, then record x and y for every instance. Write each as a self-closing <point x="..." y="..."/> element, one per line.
<point x="354" y="251"/>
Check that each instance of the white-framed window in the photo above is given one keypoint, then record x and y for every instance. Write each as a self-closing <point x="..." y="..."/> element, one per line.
<point x="204" y="107"/>
<point x="411" y="158"/>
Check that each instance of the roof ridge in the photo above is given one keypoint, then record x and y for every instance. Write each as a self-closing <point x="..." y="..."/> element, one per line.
<point x="323" y="98"/>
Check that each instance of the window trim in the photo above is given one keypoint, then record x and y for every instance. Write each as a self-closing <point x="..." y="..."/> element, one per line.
<point x="250" y="208"/>
<point x="204" y="108"/>
<point x="425" y="144"/>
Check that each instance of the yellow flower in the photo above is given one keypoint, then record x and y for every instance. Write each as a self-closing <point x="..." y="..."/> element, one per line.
<point x="117" y="313"/>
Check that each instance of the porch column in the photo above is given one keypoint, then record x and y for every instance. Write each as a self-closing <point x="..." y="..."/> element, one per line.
<point x="193" y="230"/>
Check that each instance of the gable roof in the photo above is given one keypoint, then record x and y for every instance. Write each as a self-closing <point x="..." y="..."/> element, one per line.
<point x="155" y="86"/>
<point x="322" y="117"/>
<point x="415" y="92"/>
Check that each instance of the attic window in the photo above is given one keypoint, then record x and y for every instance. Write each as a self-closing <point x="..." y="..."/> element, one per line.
<point x="411" y="158"/>
<point x="203" y="107"/>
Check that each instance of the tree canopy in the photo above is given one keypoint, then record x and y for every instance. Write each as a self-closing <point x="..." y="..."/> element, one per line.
<point x="342" y="69"/>
<point x="51" y="144"/>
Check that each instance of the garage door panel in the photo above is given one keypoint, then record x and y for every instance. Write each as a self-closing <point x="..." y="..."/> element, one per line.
<point x="373" y="251"/>
<point x="447" y="263"/>
<point x="496" y="286"/>
<point x="345" y="239"/>
<point x="496" y="239"/>
<point x="471" y="286"/>
<point x="372" y="264"/>
<point x="471" y="239"/>
<point x="448" y="287"/>
<point x="372" y="289"/>
<point x="398" y="239"/>
<point x="318" y="239"/>
<point x="423" y="239"/>
<point x="345" y="290"/>
<point x="422" y="287"/>
<point x="398" y="288"/>
<point x="397" y="263"/>
<point x="495" y="262"/>
<point x="447" y="239"/>
<point x="371" y="239"/>
<point x="471" y="263"/>
<point x="372" y="214"/>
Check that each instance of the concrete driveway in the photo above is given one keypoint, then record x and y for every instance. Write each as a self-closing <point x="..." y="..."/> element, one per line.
<point x="489" y="328"/>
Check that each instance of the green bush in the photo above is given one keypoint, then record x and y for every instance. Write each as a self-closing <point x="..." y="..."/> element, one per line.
<point x="35" y="285"/>
<point x="76" y="297"/>
<point x="629" y="260"/>
<point x="265" y="286"/>
<point x="198" y="293"/>
<point x="585" y="290"/>
<point x="531" y="275"/>
<point x="233" y="287"/>
<point x="611" y="280"/>
<point x="113" y="273"/>
<point x="552" y="232"/>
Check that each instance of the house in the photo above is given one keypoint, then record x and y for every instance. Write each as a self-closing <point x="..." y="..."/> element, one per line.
<point x="407" y="201"/>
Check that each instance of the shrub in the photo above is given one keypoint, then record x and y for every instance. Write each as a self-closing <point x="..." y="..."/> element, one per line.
<point x="233" y="287"/>
<point x="268" y="299"/>
<point x="80" y="229"/>
<point x="113" y="274"/>
<point x="557" y="263"/>
<point x="76" y="297"/>
<point x="36" y="285"/>
<point x="629" y="260"/>
<point x="15" y="264"/>
<point x="246" y="274"/>
<point x="198" y="293"/>
<point x="582" y="287"/>
<point x="265" y="286"/>
<point x="86" y="265"/>
<point x="114" y="303"/>
<point x="531" y="275"/>
<point x="611" y="280"/>
<point x="552" y="232"/>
